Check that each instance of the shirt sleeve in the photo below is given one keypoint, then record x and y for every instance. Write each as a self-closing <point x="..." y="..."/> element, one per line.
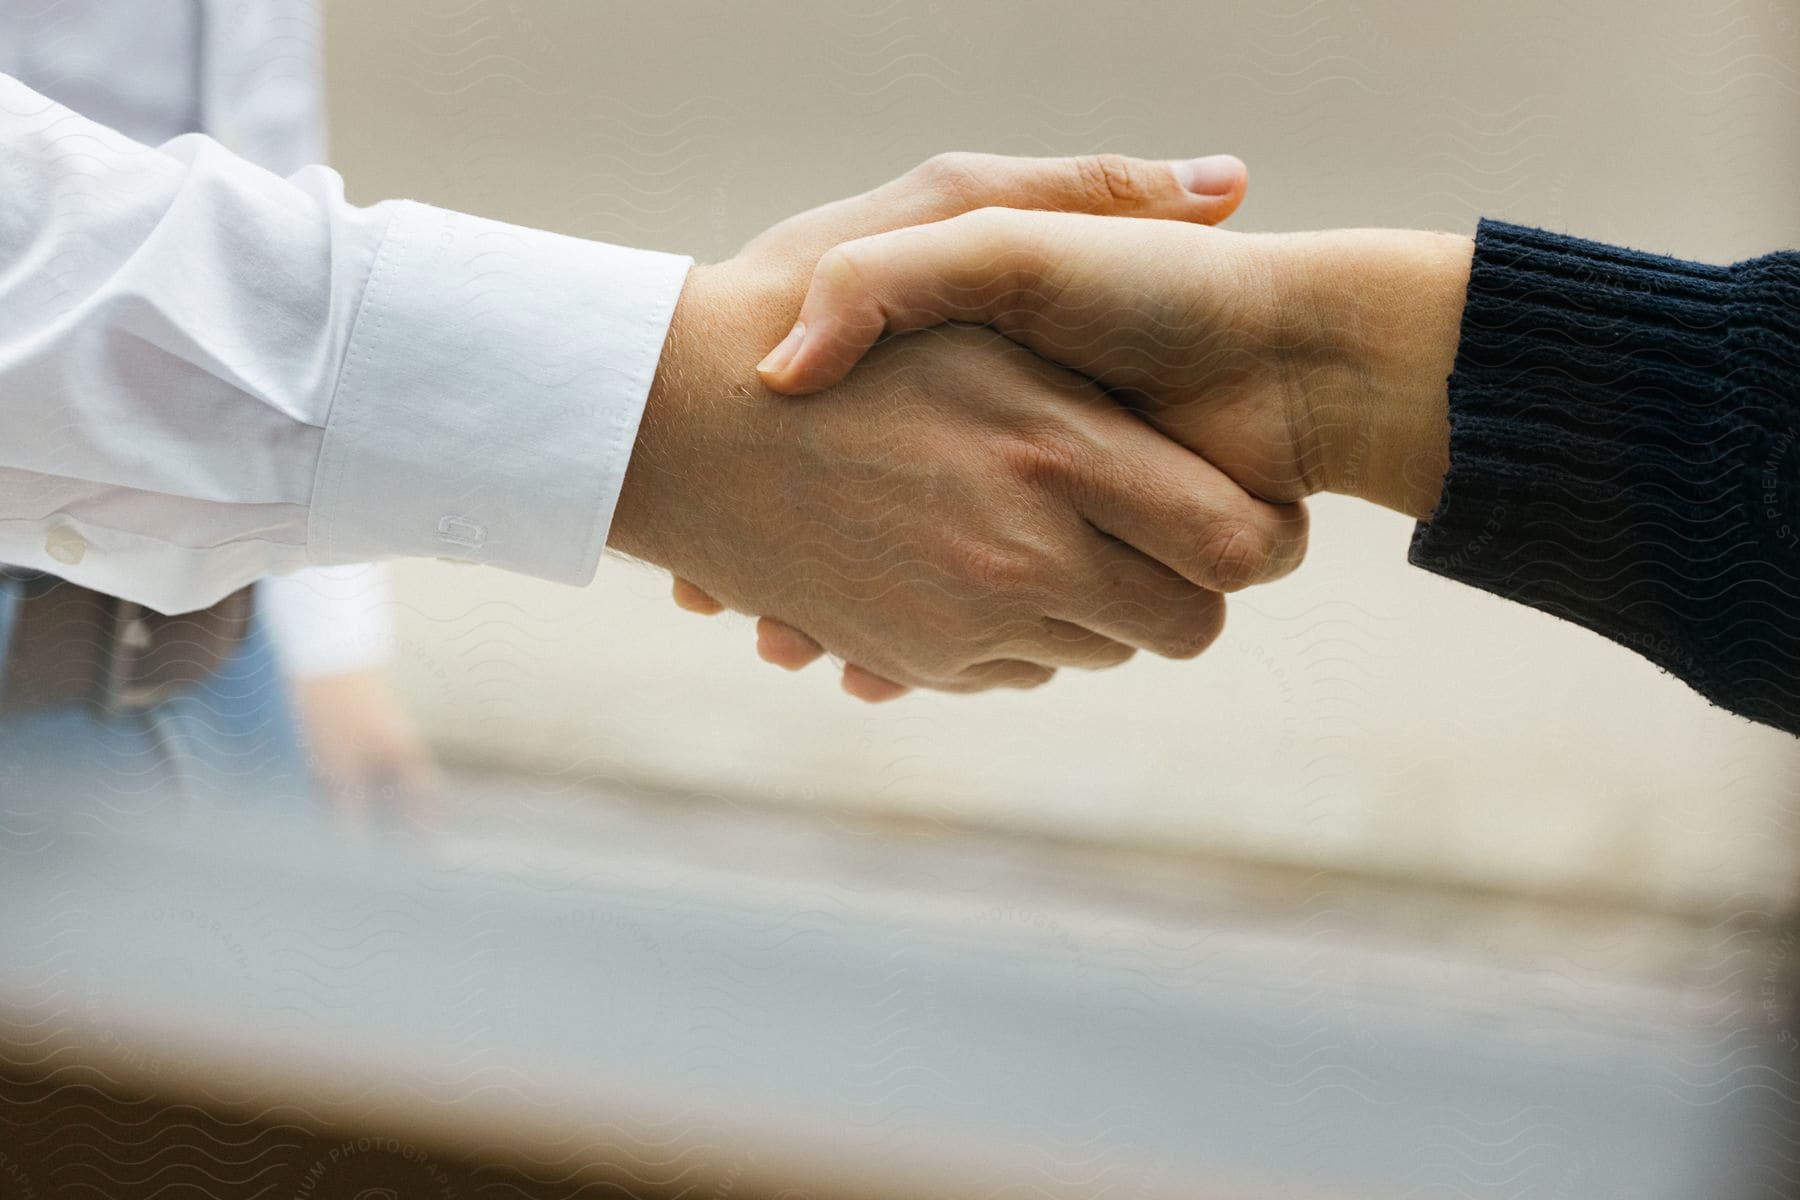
<point x="209" y="373"/>
<point x="1625" y="454"/>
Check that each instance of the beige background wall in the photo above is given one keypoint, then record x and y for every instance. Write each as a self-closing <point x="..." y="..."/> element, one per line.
<point x="1360" y="715"/>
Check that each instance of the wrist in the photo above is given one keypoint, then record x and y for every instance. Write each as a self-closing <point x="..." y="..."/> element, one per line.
<point x="703" y="437"/>
<point x="1390" y="305"/>
<point x="658" y="473"/>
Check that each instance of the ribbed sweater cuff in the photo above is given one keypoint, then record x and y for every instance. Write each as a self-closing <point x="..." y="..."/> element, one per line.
<point x="1623" y="454"/>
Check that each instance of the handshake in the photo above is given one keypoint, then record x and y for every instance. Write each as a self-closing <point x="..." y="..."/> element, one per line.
<point x="1098" y="415"/>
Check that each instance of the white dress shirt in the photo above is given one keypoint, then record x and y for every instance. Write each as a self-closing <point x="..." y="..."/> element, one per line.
<point x="210" y="373"/>
<point x="162" y="68"/>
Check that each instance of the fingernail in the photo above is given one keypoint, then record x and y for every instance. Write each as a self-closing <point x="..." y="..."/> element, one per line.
<point x="1214" y="175"/>
<point x="782" y="354"/>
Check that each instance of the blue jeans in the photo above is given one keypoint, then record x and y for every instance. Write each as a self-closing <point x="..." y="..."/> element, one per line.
<point x="226" y="742"/>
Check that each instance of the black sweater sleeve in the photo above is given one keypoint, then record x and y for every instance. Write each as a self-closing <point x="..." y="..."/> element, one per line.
<point x="1625" y="454"/>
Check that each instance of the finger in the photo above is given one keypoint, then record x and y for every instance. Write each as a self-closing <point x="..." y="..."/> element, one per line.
<point x="1060" y="643"/>
<point x="694" y="600"/>
<point x="1000" y="673"/>
<point x="863" y="683"/>
<point x="1102" y="297"/>
<point x="1126" y="302"/>
<point x="780" y="643"/>
<point x="1203" y="190"/>
<point x="1138" y="601"/>
<point x="1182" y="511"/>
<point x="1056" y="644"/>
<point x="867" y="686"/>
<point x="1199" y="190"/>
<point x="1032" y="659"/>
<point x="983" y="267"/>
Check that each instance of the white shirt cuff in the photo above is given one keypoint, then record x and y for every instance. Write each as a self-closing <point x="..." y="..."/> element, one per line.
<point x="490" y="396"/>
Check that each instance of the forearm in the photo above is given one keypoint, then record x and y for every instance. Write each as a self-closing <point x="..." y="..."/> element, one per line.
<point x="209" y="373"/>
<point x="1619" y="449"/>
<point x="1388" y="305"/>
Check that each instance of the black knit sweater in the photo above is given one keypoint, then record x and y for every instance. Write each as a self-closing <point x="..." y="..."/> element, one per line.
<point x="1625" y="453"/>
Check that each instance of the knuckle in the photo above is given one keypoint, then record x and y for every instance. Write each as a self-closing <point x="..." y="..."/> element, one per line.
<point x="952" y="176"/>
<point x="1237" y="556"/>
<point x="841" y="267"/>
<point x="1111" y="180"/>
<point x="988" y="568"/>
<point x="1044" y="460"/>
<point x="1198" y="630"/>
<point x="1291" y="542"/>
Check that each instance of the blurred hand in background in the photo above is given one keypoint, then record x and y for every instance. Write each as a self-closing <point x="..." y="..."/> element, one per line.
<point x="365" y="751"/>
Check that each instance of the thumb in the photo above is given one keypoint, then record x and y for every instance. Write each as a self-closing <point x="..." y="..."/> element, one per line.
<point x="990" y="266"/>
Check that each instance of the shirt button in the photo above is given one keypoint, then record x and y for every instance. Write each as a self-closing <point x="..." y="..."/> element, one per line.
<point x="65" y="545"/>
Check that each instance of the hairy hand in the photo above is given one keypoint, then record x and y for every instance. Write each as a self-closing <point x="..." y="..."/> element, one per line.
<point x="364" y="749"/>
<point x="1295" y="363"/>
<point x="1204" y="190"/>
<point x="960" y="514"/>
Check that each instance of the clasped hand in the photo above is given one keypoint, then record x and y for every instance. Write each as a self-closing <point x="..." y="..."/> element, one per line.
<point x="1131" y="436"/>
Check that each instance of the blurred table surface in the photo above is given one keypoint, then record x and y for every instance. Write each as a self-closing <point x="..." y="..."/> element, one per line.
<point x="561" y="992"/>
